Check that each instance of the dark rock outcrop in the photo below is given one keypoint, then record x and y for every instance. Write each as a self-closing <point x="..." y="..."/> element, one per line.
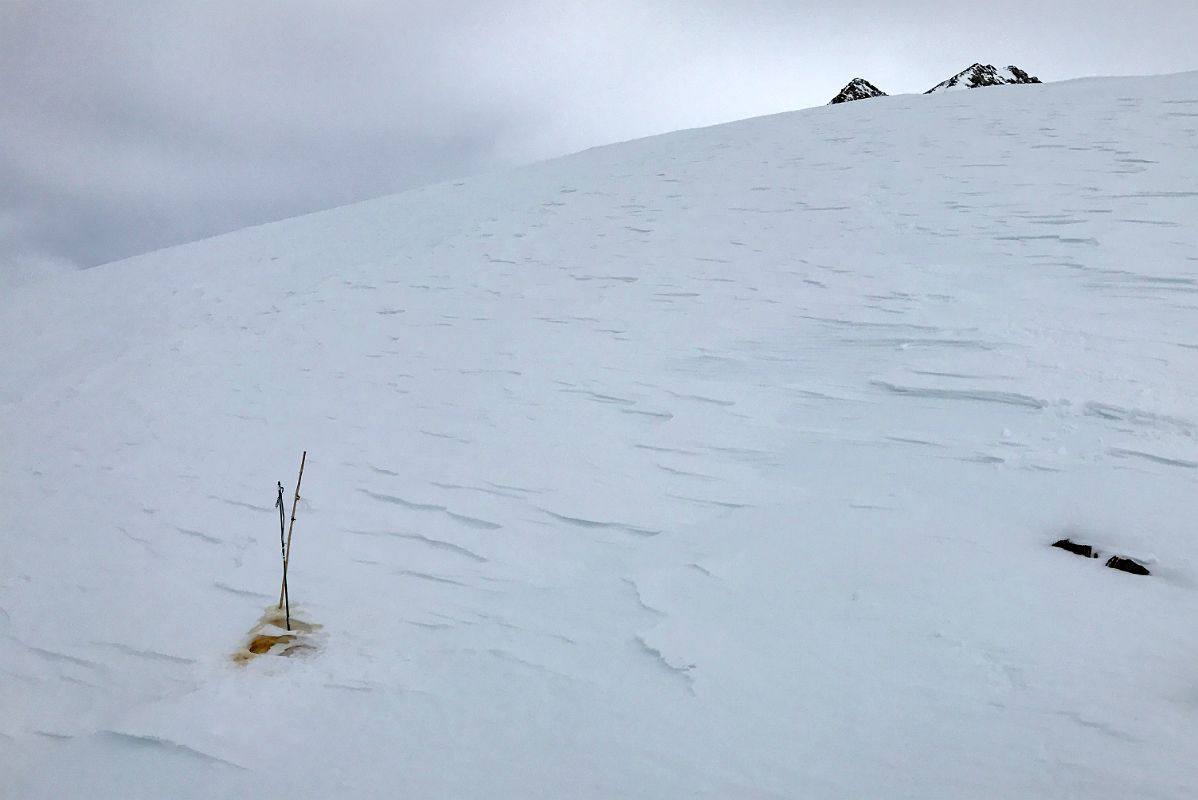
<point x="1114" y="562"/>
<point x="1075" y="548"/>
<point x="1127" y="565"/>
<point x="980" y="75"/>
<point x="857" y="89"/>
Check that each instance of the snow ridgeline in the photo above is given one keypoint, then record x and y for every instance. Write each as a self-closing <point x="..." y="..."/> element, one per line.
<point x="972" y="77"/>
<point x="718" y="464"/>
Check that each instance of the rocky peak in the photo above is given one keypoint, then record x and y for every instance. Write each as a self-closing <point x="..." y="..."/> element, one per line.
<point x="983" y="75"/>
<point x="857" y="89"/>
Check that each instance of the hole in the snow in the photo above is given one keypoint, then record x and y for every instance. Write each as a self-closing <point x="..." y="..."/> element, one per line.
<point x="270" y="636"/>
<point x="262" y="642"/>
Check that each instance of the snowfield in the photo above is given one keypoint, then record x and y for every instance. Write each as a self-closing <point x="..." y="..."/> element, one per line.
<point x="721" y="464"/>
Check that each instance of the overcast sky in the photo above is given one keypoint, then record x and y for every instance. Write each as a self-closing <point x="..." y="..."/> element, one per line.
<point x="127" y="126"/>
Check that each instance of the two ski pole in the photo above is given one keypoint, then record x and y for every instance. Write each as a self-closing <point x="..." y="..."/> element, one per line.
<point x="287" y="548"/>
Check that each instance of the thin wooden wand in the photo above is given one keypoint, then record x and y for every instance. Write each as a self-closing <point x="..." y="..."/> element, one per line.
<point x="287" y="554"/>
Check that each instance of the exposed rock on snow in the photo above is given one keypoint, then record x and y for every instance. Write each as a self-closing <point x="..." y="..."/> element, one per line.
<point x="983" y="75"/>
<point x="857" y="89"/>
<point x="971" y="78"/>
<point x="1114" y="562"/>
<point x="1075" y="548"/>
<point x="1127" y="565"/>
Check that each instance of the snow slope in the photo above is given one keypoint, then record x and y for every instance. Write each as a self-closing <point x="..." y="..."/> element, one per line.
<point x="720" y="464"/>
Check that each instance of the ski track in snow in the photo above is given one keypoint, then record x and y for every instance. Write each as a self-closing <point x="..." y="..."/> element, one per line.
<point x="716" y="464"/>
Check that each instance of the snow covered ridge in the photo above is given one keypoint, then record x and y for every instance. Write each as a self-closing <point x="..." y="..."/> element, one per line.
<point x="972" y="77"/>
<point x="980" y="75"/>
<point x="722" y="464"/>
<point x="856" y="89"/>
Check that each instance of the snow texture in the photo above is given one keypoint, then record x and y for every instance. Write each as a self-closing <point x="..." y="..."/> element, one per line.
<point x="721" y="464"/>
<point x="856" y="89"/>
<point x="980" y="75"/>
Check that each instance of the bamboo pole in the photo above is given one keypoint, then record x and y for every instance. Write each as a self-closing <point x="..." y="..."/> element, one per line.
<point x="294" y="504"/>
